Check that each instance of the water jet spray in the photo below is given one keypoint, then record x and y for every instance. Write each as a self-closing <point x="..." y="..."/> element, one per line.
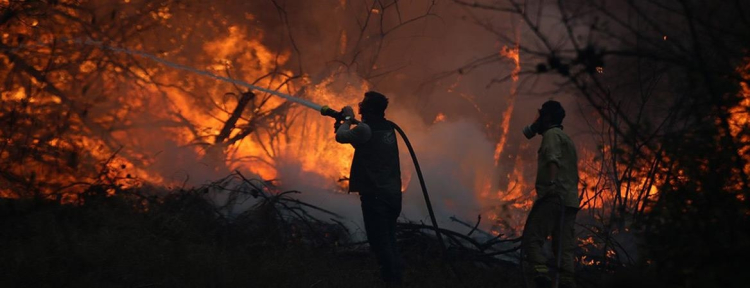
<point x="101" y="45"/>
<point x="323" y="109"/>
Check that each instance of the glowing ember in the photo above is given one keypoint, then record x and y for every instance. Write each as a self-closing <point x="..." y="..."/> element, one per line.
<point x="439" y="118"/>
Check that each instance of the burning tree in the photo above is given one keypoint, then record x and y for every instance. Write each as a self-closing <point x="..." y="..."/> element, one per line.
<point x="667" y="83"/>
<point x="142" y="118"/>
<point x="78" y="112"/>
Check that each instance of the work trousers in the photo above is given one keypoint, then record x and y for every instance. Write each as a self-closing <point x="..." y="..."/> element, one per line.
<point x="380" y="212"/>
<point x="543" y="221"/>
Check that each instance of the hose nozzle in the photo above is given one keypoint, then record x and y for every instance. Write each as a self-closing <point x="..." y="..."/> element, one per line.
<point x="328" y="111"/>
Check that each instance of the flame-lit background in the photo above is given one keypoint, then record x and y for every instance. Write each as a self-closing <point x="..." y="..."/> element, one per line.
<point x="83" y="107"/>
<point x="657" y="95"/>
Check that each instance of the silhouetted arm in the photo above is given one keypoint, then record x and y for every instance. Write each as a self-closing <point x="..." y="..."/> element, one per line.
<point x="357" y="135"/>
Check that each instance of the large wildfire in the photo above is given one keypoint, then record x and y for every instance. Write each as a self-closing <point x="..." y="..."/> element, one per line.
<point x="81" y="114"/>
<point x="151" y="105"/>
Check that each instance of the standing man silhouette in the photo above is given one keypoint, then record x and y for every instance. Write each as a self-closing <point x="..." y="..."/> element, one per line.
<point x="376" y="175"/>
<point x="554" y="211"/>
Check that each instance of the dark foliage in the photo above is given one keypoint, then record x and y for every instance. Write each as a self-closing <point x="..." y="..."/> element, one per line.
<point x="179" y="240"/>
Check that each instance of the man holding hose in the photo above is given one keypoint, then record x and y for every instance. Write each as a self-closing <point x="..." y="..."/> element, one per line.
<point x="376" y="175"/>
<point x="554" y="211"/>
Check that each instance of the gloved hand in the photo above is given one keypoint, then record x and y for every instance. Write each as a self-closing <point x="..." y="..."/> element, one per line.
<point x="348" y="111"/>
<point x="336" y="126"/>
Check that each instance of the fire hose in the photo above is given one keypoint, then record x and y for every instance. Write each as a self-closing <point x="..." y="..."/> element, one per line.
<point x="324" y="110"/>
<point x="327" y="111"/>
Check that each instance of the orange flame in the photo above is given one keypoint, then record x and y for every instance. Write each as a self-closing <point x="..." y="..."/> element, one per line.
<point x="514" y="55"/>
<point x="739" y="120"/>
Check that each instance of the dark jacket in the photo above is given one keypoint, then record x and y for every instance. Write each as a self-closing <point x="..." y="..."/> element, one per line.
<point x="376" y="167"/>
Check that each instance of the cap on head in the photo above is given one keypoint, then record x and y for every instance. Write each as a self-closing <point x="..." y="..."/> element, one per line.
<point x="554" y="110"/>
<point x="374" y="103"/>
